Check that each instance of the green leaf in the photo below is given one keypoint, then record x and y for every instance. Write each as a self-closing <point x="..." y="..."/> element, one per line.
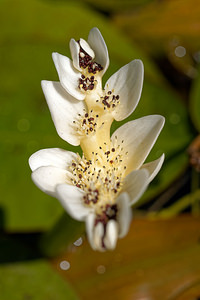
<point x="33" y="280"/>
<point x="195" y="102"/>
<point x="116" y="5"/>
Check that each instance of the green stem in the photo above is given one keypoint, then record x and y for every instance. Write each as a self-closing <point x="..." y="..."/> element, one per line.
<point x="179" y="206"/>
<point x="64" y="232"/>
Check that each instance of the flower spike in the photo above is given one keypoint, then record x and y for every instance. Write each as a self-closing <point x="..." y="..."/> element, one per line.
<point x="100" y="186"/>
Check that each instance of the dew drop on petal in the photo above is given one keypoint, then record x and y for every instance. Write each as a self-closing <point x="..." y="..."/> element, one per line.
<point x="101" y="269"/>
<point x="64" y="265"/>
<point x="78" y="242"/>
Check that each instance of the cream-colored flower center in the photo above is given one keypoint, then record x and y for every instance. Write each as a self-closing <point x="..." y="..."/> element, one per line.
<point x="101" y="177"/>
<point x="101" y="170"/>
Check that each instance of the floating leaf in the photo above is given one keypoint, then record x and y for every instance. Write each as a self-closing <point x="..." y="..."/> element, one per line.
<point x="158" y="23"/>
<point x="159" y="259"/>
<point x="33" y="280"/>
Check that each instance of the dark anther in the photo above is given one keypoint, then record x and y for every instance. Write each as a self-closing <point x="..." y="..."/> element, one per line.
<point x="91" y="86"/>
<point x="91" y="119"/>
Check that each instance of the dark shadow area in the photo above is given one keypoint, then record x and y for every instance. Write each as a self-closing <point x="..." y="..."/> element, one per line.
<point x="177" y="79"/>
<point x="2" y="219"/>
<point x="17" y="247"/>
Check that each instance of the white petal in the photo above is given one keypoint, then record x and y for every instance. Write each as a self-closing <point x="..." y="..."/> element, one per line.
<point x="139" y="137"/>
<point x="153" y="167"/>
<point x="127" y="83"/>
<point x="111" y="236"/>
<point x="98" y="44"/>
<point x="71" y="198"/>
<point x="124" y="214"/>
<point x="68" y="75"/>
<point x="86" y="47"/>
<point x="90" y="219"/>
<point x="51" y="157"/>
<point x="64" y="110"/>
<point x="75" y="49"/>
<point x="135" y="184"/>
<point x="98" y="236"/>
<point x="47" y="178"/>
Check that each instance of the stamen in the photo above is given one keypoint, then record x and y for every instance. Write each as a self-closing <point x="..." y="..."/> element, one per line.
<point x="86" y="83"/>
<point x="100" y="184"/>
<point x="86" y="62"/>
<point x="109" y="101"/>
<point x="86" y="124"/>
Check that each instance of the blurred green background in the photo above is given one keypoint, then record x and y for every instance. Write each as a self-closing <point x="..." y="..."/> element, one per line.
<point x="166" y="36"/>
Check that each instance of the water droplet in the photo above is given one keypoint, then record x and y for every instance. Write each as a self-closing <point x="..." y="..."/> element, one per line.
<point x="78" y="242"/>
<point x="64" y="265"/>
<point x="23" y="125"/>
<point x="101" y="269"/>
<point x="180" y="51"/>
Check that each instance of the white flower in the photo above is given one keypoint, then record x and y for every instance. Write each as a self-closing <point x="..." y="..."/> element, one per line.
<point x="90" y="61"/>
<point x="69" y="114"/>
<point x="116" y="101"/>
<point x="99" y="187"/>
<point x="101" y="190"/>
